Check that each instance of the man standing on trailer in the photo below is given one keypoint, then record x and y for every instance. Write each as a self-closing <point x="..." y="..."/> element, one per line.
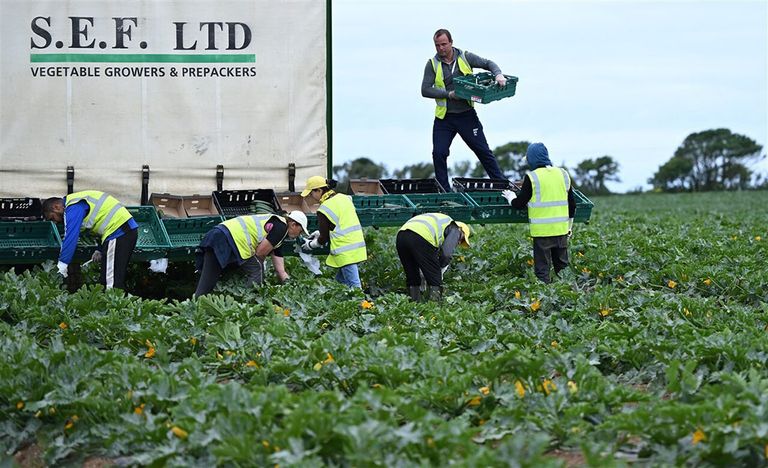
<point x="452" y="114"/>
<point x="102" y="214"/>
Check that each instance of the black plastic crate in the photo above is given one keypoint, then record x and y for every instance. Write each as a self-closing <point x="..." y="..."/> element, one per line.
<point x="22" y="209"/>
<point x="395" y="186"/>
<point x="233" y="203"/>
<point x="471" y="184"/>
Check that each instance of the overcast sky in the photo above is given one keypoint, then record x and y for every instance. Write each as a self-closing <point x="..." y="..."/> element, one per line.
<point x="628" y="79"/>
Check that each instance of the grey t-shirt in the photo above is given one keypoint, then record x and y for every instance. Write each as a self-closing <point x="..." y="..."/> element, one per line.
<point x="450" y="70"/>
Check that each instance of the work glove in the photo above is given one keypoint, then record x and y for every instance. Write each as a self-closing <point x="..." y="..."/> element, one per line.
<point x="452" y="95"/>
<point x="309" y="245"/>
<point x="62" y="268"/>
<point x="314" y="235"/>
<point x="508" y="195"/>
<point x="442" y="271"/>
<point x="96" y="257"/>
<point x="501" y="80"/>
<point x="570" y="227"/>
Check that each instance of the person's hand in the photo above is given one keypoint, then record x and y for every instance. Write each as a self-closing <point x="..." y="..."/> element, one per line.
<point x="508" y="195"/>
<point x="501" y="80"/>
<point x="62" y="268"/>
<point x="443" y="270"/>
<point x="96" y="257"/>
<point x="570" y="227"/>
<point x="309" y="245"/>
<point x="452" y="95"/>
<point x="314" y="235"/>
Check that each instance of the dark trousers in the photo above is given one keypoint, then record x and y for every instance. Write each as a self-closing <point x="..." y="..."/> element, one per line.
<point x="469" y="128"/>
<point x="549" y="251"/>
<point x="211" y="271"/>
<point x="115" y="256"/>
<point x="416" y="254"/>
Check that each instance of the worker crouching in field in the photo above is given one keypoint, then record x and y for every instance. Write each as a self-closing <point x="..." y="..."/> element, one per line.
<point x="426" y="243"/>
<point x="103" y="215"/>
<point x="547" y="192"/>
<point x="246" y="241"/>
<point x="337" y="221"/>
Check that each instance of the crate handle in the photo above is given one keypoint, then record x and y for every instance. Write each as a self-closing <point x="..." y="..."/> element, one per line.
<point x="145" y="184"/>
<point x="219" y="177"/>
<point x="292" y="177"/>
<point x="70" y="179"/>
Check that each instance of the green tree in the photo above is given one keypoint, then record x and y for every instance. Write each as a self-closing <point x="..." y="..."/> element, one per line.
<point x="359" y="168"/>
<point x="511" y="159"/>
<point x="592" y="174"/>
<point x="717" y="160"/>
<point x="422" y="170"/>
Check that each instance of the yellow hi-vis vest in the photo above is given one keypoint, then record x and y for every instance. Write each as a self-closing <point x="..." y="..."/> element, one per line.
<point x="441" y="104"/>
<point x="430" y="226"/>
<point x="347" y="241"/>
<point x="105" y="215"/>
<point x="548" y="207"/>
<point x="249" y="231"/>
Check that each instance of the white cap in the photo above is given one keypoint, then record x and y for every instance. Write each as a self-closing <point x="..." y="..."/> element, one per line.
<point x="300" y="218"/>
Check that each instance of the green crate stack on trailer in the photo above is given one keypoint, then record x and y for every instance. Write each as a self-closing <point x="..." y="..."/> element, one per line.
<point x="383" y="210"/>
<point x="28" y="241"/>
<point x="453" y="204"/>
<point x="185" y="234"/>
<point x="153" y="240"/>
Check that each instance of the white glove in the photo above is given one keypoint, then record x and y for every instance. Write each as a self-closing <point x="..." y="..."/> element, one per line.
<point x="508" y="195"/>
<point x="159" y="265"/>
<point x="310" y="244"/>
<point x="443" y="270"/>
<point x="570" y="227"/>
<point x="62" y="268"/>
<point x="314" y="235"/>
<point x="501" y="80"/>
<point x="96" y="257"/>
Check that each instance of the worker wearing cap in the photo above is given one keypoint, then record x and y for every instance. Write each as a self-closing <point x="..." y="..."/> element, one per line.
<point x="105" y="217"/>
<point x="548" y="194"/>
<point x="337" y="221"/>
<point x="426" y="244"/>
<point x="246" y="241"/>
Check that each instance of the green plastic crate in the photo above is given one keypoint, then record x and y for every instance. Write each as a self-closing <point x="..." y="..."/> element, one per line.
<point x="185" y="234"/>
<point x="482" y="88"/>
<point x="383" y="210"/>
<point x="454" y="204"/>
<point x="28" y="242"/>
<point x="491" y="207"/>
<point x="583" y="207"/>
<point x="153" y="240"/>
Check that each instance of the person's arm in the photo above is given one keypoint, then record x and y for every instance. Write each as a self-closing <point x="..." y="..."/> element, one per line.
<point x="325" y="226"/>
<point x="73" y="220"/>
<point x="475" y="61"/>
<point x="279" y="263"/>
<point x="451" y="241"/>
<point x="428" y="89"/>
<point x="524" y="195"/>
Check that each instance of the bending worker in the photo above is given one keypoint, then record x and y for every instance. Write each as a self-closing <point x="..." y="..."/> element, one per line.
<point x="426" y="243"/>
<point x="103" y="215"/>
<point x="246" y="241"/>
<point x="548" y="193"/>
<point x="453" y="114"/>
<point x="337" y="220"/>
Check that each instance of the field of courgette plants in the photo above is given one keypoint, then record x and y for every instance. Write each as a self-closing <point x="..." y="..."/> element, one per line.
<point x="652" y="349"/>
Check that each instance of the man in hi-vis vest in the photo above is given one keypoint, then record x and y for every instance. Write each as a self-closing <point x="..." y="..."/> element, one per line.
<point x="337" y="221"/>
<point x="548" y="193"/>
<point x="246" y="241"/>
<point x="452" y="114"/>
<point x="103" y="215"/>
<point x="425" y="245"/>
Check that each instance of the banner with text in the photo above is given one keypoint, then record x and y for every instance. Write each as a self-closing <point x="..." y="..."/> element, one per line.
<point x="179" y="85"/>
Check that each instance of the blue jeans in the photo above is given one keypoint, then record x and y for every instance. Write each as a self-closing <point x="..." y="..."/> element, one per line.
<point x="349" y="275"/>
<point x="469" y="128"/>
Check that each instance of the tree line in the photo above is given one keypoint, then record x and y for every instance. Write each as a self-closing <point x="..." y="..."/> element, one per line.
<point x="710" y="160"/>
